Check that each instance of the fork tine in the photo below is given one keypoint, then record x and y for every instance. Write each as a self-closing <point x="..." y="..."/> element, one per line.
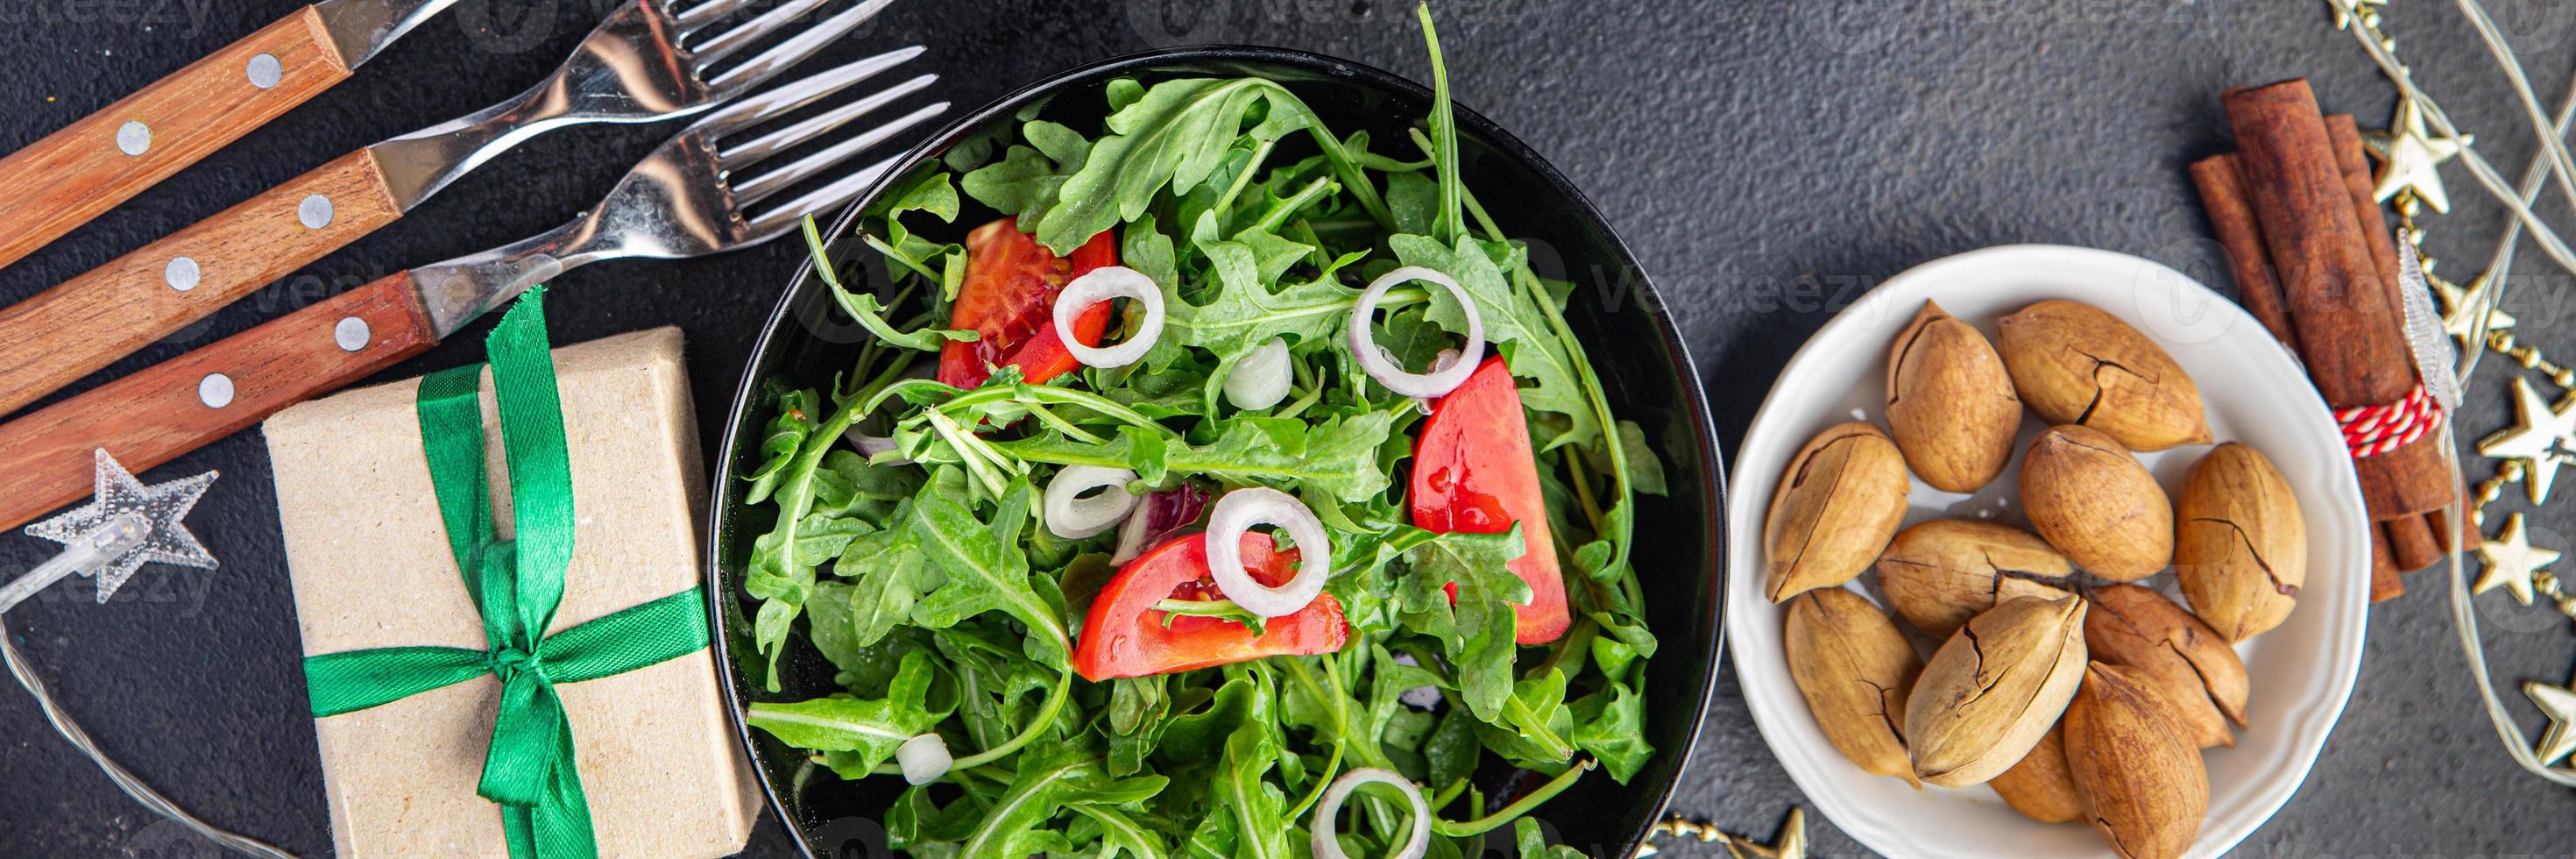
<point x="760" y="187"/>
<point x="744" y="113"/>
<point x="699" y="16"/>
<point x="738" y="157"/>
<point x="796" y="48"/>
<point x="736" y="39"/>
<point x="786" y="214"/>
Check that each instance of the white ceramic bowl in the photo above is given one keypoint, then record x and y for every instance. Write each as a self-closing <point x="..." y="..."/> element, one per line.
<point x="2255" y="393"/>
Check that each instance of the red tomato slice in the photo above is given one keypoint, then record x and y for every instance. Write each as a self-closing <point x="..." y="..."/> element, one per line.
<point x="1473" y="472"/>
<point x="1123" y="636"/>
<point x="1009" y="298"/>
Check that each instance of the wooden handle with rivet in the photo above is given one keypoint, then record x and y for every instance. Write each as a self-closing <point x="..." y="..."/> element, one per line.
<point x="90" y="166"/>
<point x="179" y="405"/>
<point x="62" y="334"/>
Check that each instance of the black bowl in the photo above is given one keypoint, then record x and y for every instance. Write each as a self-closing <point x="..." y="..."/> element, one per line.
<point x="1633" y="344"/>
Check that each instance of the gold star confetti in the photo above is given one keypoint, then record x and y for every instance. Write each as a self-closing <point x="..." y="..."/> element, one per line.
<point x="2559" y="704"/>
<point x="2540" y="439"/>
<point x="1792" y="843"/>
<point x="2511" y="561"/>
<point x="2456" y="303"/>
<point x="2410" y="158"/>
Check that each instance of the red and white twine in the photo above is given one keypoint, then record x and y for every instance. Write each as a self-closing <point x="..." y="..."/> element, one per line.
<point x="2374" y="430"/>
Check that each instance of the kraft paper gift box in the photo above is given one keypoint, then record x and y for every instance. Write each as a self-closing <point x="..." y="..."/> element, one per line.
<point x="372" y="568"/>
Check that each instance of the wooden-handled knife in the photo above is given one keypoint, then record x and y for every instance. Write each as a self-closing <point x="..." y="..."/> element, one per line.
<point x="72" y="175"/>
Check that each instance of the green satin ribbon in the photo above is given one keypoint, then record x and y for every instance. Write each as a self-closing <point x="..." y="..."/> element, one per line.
<point x="516" y="584"/>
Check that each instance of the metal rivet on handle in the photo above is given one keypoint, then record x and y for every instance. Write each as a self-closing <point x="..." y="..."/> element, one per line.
<point x="133" y="138"/>
<point x="352" y="334"/>
<point x="215" y="390"/>
<point x="264" y="71"/>
<point x="315" y="212"/>
<point x="181" y="274"/>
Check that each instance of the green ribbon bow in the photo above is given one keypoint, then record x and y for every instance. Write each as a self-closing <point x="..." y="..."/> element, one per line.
<point x="516" y="585"/>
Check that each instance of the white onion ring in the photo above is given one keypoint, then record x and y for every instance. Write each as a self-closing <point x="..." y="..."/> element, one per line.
<point x="1235" y="514"/>
<point x="1102" y="284"/>
<point x="1260" y="379"/>
<point x="923" y="759"/>
<point x="1325" y="846"/>
<point x="1439" y="381"/>
<point x="1072" y="516"/>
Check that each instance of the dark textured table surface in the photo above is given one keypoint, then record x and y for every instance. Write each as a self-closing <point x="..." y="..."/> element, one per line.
<point x="1761" y="157"/>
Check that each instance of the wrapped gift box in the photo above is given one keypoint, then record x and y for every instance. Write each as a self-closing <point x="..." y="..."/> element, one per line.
<point x="371" y="568"/>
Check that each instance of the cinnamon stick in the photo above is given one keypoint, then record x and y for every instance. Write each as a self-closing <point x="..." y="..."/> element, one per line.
<point x="2417" y="539"/>
<point x="2349" y="324"/>
<point x="2384" y="583"/>
<point x="2365" y="204"/>
<point x="2231" y="221"/>
<point x="2411" y="540"/>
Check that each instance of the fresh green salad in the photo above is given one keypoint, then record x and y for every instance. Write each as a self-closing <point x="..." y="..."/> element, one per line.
<point x="1240" y="491"/>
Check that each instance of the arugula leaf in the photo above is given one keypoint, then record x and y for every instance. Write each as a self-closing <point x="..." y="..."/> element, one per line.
<point x="1122" y="835"/>
<point x="1245" y="314"/>
<point x="1444" y="135"/>
<point x="865" y="308"/>
<point x="1645" y="469"/>
<point x="1047" y="783"/>
<point x="1248" y="819"/>
<point x="986" y="568"/>
<point x="1453" y="749"/>
<point x="1220" y="609"/>
<point x="798" y="410"/>
<point x="1175" y="134"/>
<point x="1513" y="323"/>
<point x="1611" y="725"/>
<point x="1534" y="723"/>
<point x="1476" y="634"/>
<point x="870" y="730"/>
<point x="931" y="194"/>
<point x="1337" y="457"/>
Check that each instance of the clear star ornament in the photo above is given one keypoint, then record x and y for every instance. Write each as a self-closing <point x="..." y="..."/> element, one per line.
<point x="124" y="526"/>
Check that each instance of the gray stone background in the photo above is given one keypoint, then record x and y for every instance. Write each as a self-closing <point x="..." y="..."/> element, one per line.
<point x="1757" y="155"/>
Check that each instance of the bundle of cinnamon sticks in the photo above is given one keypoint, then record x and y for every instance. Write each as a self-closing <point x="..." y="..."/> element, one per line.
<point x="2315" y="260"/>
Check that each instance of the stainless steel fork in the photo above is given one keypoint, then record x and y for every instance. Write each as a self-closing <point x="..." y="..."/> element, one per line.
<point x="696" y="194"/>
<point x="643" y="63"/>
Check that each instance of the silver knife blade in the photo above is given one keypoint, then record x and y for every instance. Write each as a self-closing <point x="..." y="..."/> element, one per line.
<point x="360" y="28"/>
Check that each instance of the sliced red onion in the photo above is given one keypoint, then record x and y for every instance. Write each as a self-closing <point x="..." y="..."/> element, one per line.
<point x="1157" y="516"/>
<point x="1441" y="380"/>
<point x="1326" y="846"/>
<point x="1235" y="514"/>
<point x="1072" y="515"/>
<point x="923" y="759"/>
<point x="1103" y="284"/>
<point x="1260" y="380"/>
<point x="868" y="444"/>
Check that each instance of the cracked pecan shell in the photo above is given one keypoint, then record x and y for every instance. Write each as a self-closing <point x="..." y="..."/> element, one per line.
<point x="2241" y="547"/>
<point x="2186" y="660"/>
<point x="2074" y="364"/>
<point x="1842" y="497"/>
<point x="1854" y="668"/>
<point x="1950" y="404"/>
<point x="2094" y="502"/>
<point x="1994" y="688"/>
<point x="1940" y="573"/>
<point x="2143" y="783"/>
